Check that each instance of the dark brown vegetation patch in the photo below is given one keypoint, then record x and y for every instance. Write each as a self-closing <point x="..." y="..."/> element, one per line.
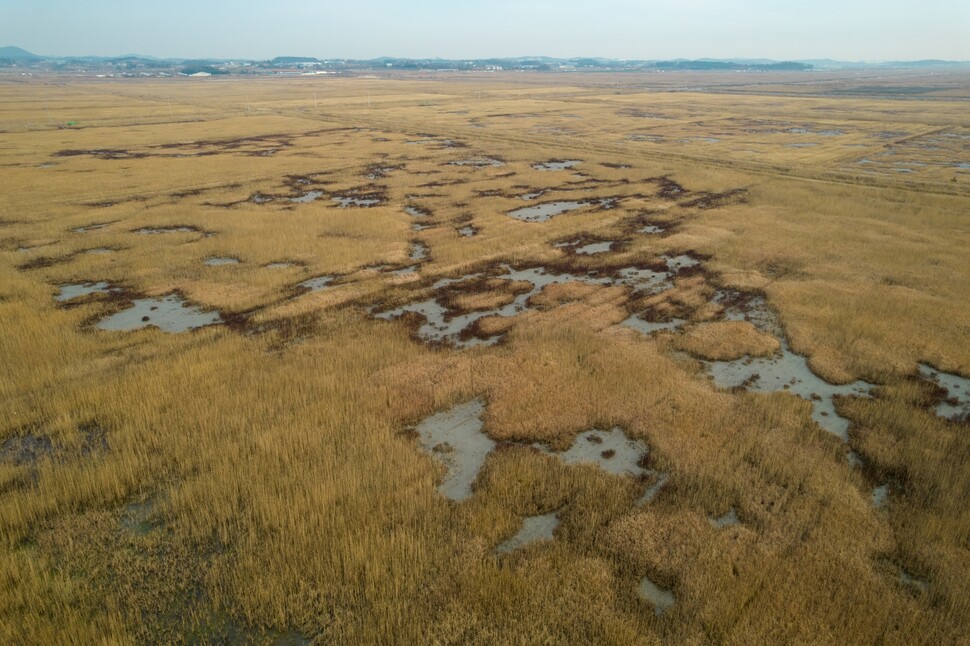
<point x="716" y="200"/>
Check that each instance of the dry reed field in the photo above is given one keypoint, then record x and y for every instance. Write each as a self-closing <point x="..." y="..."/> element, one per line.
<point x="485" y="359"/>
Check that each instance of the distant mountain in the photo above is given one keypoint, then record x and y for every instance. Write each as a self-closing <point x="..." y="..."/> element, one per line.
<point x="18" y="54"/>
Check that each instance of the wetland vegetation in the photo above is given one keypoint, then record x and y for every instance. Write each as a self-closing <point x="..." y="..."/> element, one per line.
<point x="592" y="358"/>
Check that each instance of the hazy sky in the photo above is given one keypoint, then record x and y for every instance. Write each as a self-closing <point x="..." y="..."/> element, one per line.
<point x="649" y="29"/>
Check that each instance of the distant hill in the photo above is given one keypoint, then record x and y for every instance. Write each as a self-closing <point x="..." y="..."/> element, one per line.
<point x="18" y="54"/>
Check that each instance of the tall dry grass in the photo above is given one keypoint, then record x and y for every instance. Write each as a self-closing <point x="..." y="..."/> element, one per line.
<point x="242" y="482"/>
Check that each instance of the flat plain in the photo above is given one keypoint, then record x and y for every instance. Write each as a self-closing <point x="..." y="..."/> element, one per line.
<point x="485" y="358"/>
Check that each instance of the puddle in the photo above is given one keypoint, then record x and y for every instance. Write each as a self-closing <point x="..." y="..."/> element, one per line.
<point x="259" y="198"/>
<point x="415" y="212"/>
<point x="439" y="327"/>
<point x="406" y="271"/>
<point x="956" y="404"/>
<point x="659" y="597"/>
<point x="726" y="520"/>
<point x="419" y="251"/>
<point x="653" y="489"/>
<point x="803" y="145"/>
<point x="279" y="265"/>
<point x="594" y="248"/>
<point x="421" y="227"/>
<point x="644" y="280"/>
<point x="318" y="283"/>
<point x="150" y="231"/>
<point x="467" y="232"/>
<point x="534" y="529"/>
<point x="676" y="263"/>
<point x="531" y="196"/>
<point x="309" y="196"/>
<point x="740" y="306"/>
<point x="455" y="438"/>
<point x="445" y="282"/>
<point x="478" y="163"/>
<point x="611" y="451"/>
<point x="650" y="229"/>
<point x="544" y="212"/>
<point x="100" y="250"/>
<point x="170" y="314"/>
<point x="649" y="327"/>
<point x="557" y="164"/>
<point x="706" y="140"/>
<point x="89" y="227"/>
<point x="787" y="371"/>
<point x="215" y="262"/>
<point x="346" y="201"/>
<point x="879" y="496"/>
<point x="70" y="292"/>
